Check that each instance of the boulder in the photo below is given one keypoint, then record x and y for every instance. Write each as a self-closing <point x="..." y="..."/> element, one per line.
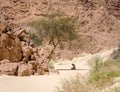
<point x="17" y="56"/>
<point x="45" y="50"/>
<point x="10" y="47"/>
<point x="9" y="68"/>
<point x="4" y="61"/>
<point x="34" y="65"/>
<point x="19" y="33"/>
<point x="31" y="69"/>
<point x="3" y="28"/>
<point x="25" y="70"/>
<point x="42" y="69"/>
<point x="27" y="52"/>
<point x="116" y="53"/>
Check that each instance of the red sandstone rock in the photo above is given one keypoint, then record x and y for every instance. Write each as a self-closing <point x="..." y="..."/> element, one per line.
<point x="34" y="65"/>
<point x="42" y="69"/>
<point x="13" y="49"/>
<point x="4" y="61"/>
<point x="10" y="48"/>
<point x="23" y="70"/>
<point x="27" y="52"/>
<point x="26" y="69"/>
<point x="10" y="45"/>
<point x="9" y="68"/>
<point x="3" y="28"/>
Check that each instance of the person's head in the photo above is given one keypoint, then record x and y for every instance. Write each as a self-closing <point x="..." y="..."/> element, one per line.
<point x="73" y="64"/>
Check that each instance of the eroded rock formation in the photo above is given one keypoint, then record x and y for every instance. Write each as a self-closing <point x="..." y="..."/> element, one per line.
<point x="17" y="56"/>
<point x="10" y="45"/>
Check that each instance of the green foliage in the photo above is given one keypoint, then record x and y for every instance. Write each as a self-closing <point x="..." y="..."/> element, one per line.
<point x="55" y="29"/>
<point x="103" y="73"/>
<point x="35" y="39"/>
<point x="116" y="90"/>
<point x="96" y="64"/>
<point x="51" y="64"/>
<point x="102" y="79"/>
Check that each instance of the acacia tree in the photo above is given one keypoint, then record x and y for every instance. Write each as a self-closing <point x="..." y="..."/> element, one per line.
<point x="55" y="30"/>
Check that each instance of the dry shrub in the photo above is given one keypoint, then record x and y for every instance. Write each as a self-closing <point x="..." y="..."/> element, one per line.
<point x="72" y="84"/>
<point x="103" y="73"/>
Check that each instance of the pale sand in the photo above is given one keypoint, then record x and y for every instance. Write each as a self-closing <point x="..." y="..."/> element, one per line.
<point x="47" y="83"/>
<point x="28" y="84"/>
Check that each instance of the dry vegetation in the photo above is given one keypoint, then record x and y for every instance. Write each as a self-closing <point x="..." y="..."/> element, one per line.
<point x="53" y="30"/>
<point x="72" y="84"/>
<point x="103" y="73"/>
<point x="101" y="76"/>
<point x="37" y="41"/>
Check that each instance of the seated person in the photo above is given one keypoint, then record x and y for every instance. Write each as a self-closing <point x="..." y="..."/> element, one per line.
<point x="73" y="67"/>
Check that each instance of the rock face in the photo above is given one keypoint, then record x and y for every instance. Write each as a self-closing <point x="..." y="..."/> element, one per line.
<point x="3" y="28"/>
<point x="116" y="53"/>
<point x="113" y="7"/>
<point x="17" y="55"/>
<point x="10" y="46"/>
<point x="42" y="69"/>
<point x="27" y="52"/>
<point x="9" y="68"/>
<point x="25" y="70"/>
<point x="92" y="16"/>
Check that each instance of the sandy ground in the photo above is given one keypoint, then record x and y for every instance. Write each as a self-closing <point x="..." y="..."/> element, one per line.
<point x="48" y="83"/>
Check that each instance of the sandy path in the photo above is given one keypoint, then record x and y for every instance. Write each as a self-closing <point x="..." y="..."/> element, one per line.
<point x="28" y="84"/>
<point x="47" y="83"/>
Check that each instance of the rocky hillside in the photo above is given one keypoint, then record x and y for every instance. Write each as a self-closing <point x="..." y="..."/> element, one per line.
<point x="113" y="7"/>
<point x="98" y="21"/>
<point x="18" y="56"/>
